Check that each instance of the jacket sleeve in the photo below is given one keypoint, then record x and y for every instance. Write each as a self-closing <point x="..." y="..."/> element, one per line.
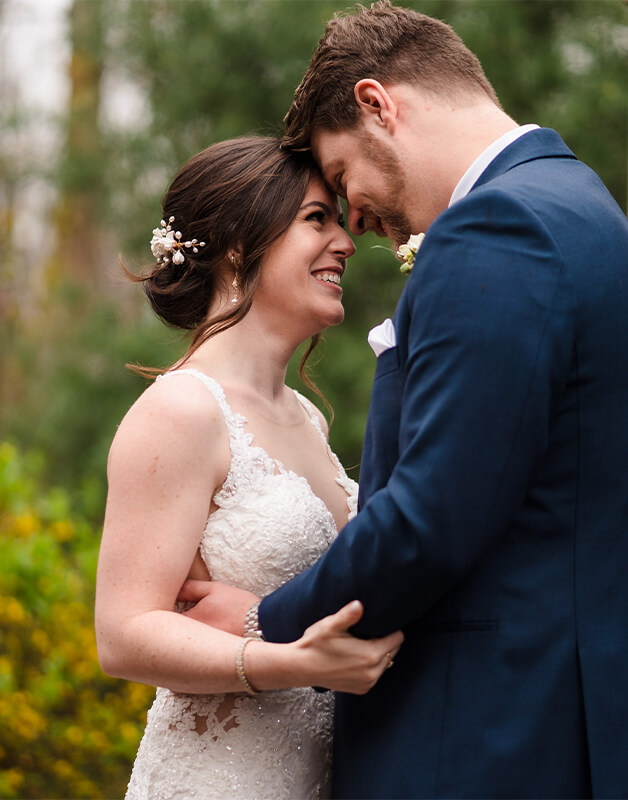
<point x="489" y="318"/>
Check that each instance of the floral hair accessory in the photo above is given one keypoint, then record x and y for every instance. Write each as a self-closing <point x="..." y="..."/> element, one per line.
<point x="167" y="243"/>
<point x="407" y="252"/>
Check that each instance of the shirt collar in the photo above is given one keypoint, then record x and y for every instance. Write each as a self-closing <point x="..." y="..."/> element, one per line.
<point x="466" y="183"/>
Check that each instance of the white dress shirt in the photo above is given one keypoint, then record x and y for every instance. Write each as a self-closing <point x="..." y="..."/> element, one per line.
<point x="465" y="184"/>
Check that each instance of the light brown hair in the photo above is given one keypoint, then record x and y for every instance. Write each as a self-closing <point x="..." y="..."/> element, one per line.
<point x="390" y="44"/>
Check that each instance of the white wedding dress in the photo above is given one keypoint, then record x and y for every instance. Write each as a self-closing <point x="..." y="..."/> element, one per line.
<point x="268" y="527"/>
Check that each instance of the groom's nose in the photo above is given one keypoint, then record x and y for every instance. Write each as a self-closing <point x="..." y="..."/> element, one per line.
<point x="356" y="220"/>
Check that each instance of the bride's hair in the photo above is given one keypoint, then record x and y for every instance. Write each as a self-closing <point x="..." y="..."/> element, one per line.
<point x="237" y="196"/>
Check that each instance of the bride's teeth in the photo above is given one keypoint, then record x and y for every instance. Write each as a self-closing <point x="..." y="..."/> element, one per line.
<point x="329" y="277"/>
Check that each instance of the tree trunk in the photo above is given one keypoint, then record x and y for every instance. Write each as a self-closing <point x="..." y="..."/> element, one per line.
<point x="77" y="218"/>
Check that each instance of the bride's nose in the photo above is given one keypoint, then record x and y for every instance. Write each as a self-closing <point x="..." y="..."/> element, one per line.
<point x="344" y="244"/>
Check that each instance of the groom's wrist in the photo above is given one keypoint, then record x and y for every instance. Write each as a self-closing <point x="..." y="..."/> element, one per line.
<point x="252" y="628"/>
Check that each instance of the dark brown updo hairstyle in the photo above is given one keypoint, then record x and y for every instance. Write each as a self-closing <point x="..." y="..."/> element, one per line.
<point x="238" y="195"/>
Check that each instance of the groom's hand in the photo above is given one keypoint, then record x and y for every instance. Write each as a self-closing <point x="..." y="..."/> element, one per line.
<point x="217" y="604"/>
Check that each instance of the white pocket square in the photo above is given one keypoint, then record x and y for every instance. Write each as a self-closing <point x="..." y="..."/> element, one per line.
<point x="382" y="337"/>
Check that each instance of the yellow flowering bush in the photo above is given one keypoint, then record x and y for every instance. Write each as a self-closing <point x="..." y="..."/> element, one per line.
<point x="66" y="729"/>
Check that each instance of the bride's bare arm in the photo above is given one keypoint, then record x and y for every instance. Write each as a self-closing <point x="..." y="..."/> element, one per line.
<point x="169" y="456"/>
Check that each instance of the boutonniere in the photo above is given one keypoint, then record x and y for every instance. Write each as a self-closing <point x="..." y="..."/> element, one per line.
<point x="407" y="252"/>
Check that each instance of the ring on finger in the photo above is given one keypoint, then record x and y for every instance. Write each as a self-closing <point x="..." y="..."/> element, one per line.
<point x="390" y="661"/>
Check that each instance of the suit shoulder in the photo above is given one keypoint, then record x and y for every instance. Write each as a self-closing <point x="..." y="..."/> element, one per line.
<point x="491" y="224"/>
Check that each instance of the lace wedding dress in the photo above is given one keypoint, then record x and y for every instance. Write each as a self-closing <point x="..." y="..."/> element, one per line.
<point x="268" y="527"/>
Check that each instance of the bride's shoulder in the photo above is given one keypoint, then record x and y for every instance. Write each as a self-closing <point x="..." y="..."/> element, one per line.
<point x="176" y="415"/>
<point x="179" y="397"/>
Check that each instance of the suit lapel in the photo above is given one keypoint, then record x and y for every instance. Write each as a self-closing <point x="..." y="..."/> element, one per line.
<point x="540" y="143"/>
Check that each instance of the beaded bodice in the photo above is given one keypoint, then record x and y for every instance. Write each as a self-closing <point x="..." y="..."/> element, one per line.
<point x="268" y="525"/>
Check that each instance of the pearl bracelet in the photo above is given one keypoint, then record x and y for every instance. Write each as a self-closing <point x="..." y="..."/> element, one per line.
<point x="240" y="668"/>
<point x="251" y="622"/>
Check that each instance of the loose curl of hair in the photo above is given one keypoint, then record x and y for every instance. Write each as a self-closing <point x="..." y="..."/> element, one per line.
<point x="237" y="195"/>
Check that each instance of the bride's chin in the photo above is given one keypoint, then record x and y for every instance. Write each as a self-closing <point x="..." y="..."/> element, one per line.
<point x="339" y="317"/>
<point x="318" y="323"/>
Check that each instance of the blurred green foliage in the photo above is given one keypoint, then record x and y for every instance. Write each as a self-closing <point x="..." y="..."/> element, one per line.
<point x="76" y="387"/>
<point x="66" y="730"/>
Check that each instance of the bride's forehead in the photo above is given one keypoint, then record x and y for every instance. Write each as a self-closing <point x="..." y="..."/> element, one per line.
<point x="318" y="190"/>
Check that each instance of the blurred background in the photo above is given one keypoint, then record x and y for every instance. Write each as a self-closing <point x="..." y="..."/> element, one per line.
<point x="101" y="101"/>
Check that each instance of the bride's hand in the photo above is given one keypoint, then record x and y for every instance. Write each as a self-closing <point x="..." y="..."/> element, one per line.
<point x="335" y="659"/>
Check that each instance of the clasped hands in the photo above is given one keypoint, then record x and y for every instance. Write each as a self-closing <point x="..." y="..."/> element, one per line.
<point x="335" y="659"/>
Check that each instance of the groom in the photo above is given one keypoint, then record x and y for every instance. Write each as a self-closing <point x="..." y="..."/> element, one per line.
<point x="494" y="487"/>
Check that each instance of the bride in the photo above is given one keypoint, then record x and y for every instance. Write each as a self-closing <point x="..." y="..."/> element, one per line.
<point x="220" y="471"/>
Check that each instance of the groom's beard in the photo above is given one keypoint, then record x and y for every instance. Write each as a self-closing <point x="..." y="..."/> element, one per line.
<point x="393" y="219"/>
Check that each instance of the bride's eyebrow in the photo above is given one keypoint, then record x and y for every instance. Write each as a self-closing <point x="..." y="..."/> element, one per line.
<point x="318" y="204"/>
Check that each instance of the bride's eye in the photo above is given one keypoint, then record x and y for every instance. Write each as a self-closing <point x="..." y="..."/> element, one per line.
<point x="316" y="216"/>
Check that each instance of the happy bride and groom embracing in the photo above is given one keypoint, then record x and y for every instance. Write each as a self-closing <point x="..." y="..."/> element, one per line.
<point x="493" y="521"/>
<point x="493" y="511"/>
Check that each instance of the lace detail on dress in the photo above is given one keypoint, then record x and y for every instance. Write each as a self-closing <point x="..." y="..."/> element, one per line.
<point x="342" y="479"/>
<point x="268" y="526"/>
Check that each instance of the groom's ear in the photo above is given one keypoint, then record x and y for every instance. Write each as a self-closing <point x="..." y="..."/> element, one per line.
<point x="376" y="106"/>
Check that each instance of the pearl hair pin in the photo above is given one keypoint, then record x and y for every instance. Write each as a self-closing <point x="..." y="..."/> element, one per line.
<point x="166" y="244"/>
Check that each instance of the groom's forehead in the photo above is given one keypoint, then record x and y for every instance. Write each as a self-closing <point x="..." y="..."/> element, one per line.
<point x="333" y="150"/>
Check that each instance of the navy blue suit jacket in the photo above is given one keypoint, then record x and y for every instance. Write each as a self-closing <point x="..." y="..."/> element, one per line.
<point x="494" y="504"/>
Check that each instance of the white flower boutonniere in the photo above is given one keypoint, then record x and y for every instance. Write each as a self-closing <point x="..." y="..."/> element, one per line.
<point x="407" y="252"/>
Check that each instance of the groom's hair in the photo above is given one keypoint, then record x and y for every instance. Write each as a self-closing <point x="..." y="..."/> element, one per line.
<point x="391" y="45"/>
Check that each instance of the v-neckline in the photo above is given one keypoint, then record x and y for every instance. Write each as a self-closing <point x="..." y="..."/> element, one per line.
<point x="241" y="421"/>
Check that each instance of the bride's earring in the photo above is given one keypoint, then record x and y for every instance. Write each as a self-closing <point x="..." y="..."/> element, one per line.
<point x="235" y="282"/>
